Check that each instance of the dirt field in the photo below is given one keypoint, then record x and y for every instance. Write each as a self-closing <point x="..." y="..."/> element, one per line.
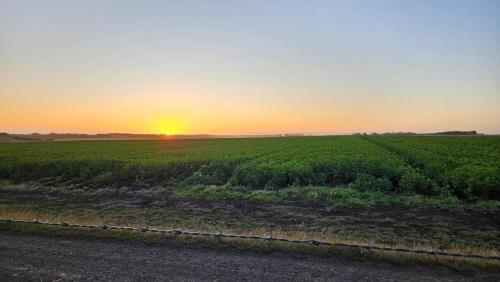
<point x="27" y="257"/>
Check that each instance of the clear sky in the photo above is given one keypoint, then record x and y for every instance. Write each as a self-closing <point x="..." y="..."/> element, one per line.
<point x="249" y="67"/>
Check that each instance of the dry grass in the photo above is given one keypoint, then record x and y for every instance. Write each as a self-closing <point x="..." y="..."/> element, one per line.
<point x="400" y="258"/>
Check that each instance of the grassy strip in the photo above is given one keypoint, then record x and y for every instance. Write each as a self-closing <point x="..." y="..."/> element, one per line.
<point x="341" y="197"/>
<point x="348" y="196"/>
<point x="236" y="244"/>
<point x="379" y="231"/>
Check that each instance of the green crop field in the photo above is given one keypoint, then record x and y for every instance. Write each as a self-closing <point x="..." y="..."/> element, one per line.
<point x="466" y="168"/>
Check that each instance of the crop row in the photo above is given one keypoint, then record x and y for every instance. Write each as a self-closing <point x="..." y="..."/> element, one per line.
<point x="381" y="163"/>
<point x="469" y="166"/>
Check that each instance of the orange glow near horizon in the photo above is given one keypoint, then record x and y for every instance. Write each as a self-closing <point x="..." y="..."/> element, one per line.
<point x="102" y="115"/>
<point x="245" y="119"/>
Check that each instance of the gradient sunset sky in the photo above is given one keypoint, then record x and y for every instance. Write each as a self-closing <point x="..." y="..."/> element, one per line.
<point x="249" y="67"/>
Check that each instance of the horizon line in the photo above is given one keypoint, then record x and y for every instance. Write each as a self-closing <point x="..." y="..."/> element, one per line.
<point x="255" y="134"/>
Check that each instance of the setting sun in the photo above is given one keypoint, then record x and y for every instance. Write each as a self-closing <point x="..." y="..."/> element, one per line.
<point x="168" y="133"/>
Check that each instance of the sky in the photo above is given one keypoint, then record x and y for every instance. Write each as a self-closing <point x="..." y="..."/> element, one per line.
<point x="249" y="67"/>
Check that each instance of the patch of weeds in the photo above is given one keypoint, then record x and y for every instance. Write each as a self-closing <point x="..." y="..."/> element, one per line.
<point x="263" y="196"/>
<point x="343" y="197"/>
<point x="336" y="197"/>
<point x="209" y="193"/>
<point x="348" y="197"/>
<point x="4" y="183"/>
<point x="487" y="205"/>
<point x="415" y="200"/>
